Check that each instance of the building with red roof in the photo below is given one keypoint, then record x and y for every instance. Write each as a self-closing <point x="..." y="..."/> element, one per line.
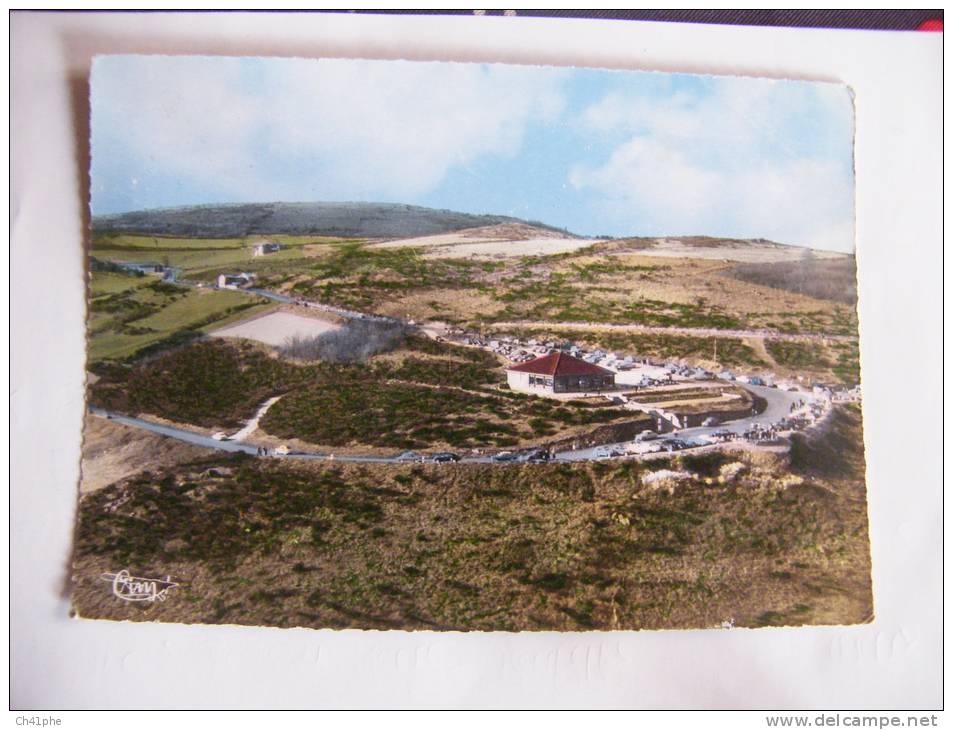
<point x="558" y="372"/>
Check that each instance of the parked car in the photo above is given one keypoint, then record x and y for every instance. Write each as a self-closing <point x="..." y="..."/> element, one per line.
<point x="504" y="456"/>
<point x="538" y="455"/>
<point x="647" y="435"/>
<point x="220" y="436"/>
<point x="408" y="456"/>
<point x="444" y="457"/>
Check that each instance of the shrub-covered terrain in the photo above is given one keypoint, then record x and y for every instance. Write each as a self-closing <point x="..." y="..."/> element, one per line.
<point x="332" y="219"/>
<point x="210" y="383"/>
<point x="798" y="355"/>
<point x="564" y="297"/>
<point x="730" y="351"/>
<point x="833" y="279"/>
<point x="404" y="415"/>
<point x="354" y="275"/>
<point x="425" y="393"/>
<point x="742" y="538"/>
<point x="578" y="286"/>
<point x="390" y="414"/>
<point x="838" y="361"/>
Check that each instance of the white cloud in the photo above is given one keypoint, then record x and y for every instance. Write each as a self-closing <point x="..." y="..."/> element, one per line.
<point x="403" y="125"/>
<point x="652" y="176"/>
<point x="354" y="128"/>
<point x="725" y="156"/>
<point x="750" y="158"/>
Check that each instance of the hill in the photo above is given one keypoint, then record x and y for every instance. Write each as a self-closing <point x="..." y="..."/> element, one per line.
<point x="746" y="250"/>
<point x="362" y="220"/>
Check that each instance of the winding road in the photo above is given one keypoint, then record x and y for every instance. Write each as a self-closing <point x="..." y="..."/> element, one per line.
<point x="197" y="439"/>
<point x="778" y="401"/>
<point x="779" y="405"/>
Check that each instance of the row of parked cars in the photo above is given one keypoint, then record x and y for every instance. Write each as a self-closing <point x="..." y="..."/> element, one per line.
<point x="438" y="458"/>
<point x="443" y="457"/>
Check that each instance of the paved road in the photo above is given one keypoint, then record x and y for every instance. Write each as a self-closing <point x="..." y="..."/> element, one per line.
<point x="274" y="296"/>
<point x="697" y="331"/>
<point x="778" y="401"/>
<point x="340" y="311"/>
<point x="246" y="447"/>
<point x="779" y="406"/>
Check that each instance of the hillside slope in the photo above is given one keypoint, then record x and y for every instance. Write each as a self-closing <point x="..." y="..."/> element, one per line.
<point x="365" y="220"/>
<point x="747" y="250"/>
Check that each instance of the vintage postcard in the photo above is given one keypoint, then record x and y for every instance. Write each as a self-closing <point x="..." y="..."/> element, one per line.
<point x="440" y="346"/>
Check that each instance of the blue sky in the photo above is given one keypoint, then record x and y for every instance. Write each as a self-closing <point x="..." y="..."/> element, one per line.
<point x="598" y="152"/>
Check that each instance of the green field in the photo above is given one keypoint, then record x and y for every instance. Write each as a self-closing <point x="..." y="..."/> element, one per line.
<point x="105" y="282"/>
<point x="128" y="313"/>
<point x="131" y="241"/>
<point x="201" y="258"/>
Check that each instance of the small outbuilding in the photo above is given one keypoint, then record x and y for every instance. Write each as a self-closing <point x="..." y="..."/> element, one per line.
<point x="234" y="281"/>
<point x="263" y="248"/>
<point x="559" y="372"/>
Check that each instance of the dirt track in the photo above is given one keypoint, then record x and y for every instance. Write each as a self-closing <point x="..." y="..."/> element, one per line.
<point x="697" y="331"/>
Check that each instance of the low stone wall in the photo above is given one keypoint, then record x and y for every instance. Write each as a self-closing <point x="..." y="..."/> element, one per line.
<point x="696" y="418"/>
<point x="608" y="434"/>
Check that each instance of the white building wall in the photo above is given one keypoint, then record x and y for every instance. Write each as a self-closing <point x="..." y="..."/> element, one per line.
<point x="517" y="380"/>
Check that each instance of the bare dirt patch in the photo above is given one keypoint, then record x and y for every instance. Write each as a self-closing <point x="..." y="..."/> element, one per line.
<point x="499" y="241"/>
<point x="112" y="452"/>
<point x="700" y="247"/>
<point x="756" y="251"/>
<point x="276" y="328"/>
<point x="459" y="305"/>
<point x="506" y="249"/>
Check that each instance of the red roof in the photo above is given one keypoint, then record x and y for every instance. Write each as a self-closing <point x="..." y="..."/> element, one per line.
<point x="559" y="363"/>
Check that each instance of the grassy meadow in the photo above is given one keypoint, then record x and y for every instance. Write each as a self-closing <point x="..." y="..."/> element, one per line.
<point x="129" y="313"/>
